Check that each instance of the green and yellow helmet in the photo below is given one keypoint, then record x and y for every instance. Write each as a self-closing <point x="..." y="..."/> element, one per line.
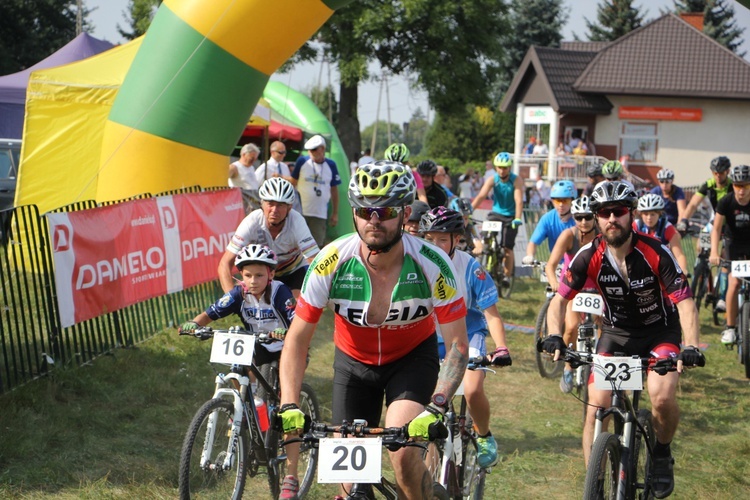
<point x="397" y="152"/>
<point x="382" y="184"/>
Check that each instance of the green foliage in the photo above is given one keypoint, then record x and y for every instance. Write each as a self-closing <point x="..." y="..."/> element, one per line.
<point x="477" y="134"/>
<point x="615" y="19"/>
<point x="31" y="30"/>
<point x="139" y="15"/>
<point x="325" y="99"/>
<point x="415" y="132"/>
<point x="718" y="21"/>
<point x="381" y="139"/>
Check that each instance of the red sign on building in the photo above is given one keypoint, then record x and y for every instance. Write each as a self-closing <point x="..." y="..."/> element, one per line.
<point x="649" y="113"/>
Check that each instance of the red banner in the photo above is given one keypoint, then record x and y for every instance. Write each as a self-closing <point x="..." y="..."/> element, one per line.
<point x="112" y="257"/>
<point x="649" y="113"/>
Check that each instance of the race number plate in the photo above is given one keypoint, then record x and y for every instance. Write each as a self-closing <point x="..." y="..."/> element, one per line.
<point x="741" y="268"/>
<point x="618" y="372"/>
<point x="233" y="349"/>
<point x="588" y="303"/>
<point x="492" y="226"/>
<point x="705" y="241"/>
<point x="349" y="460"/>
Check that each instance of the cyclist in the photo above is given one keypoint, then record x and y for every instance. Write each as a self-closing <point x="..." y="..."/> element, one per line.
<point x="418" y="209"/>
<point x="400" y="153"/>
<point x="654" y="223"/>
<point x="554" y="222"/>
<point x="437" y="195"/>
<point x="674" y="196"/>
<point x="570" y="241"/>
<point x="444" y="228"/>
<point x="594" y="173"/>
<point x="507" y="205"/>
<point x="614" y="171"/>
<point x="647" y="302"/>
<point x="278" y="227"/>
<point x="715" y="189"/>
<point x="387" y="291"/>
<point x="734" y="210"/>
<point x="469" y="241"/>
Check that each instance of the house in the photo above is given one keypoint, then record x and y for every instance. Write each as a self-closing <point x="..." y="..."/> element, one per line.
<point x="665" y="94"/>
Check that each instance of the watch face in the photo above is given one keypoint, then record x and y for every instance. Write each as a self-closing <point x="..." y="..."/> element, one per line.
<point x="439" y="399"/>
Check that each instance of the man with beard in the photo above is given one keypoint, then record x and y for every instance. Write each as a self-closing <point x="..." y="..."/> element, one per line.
<point x="643" y="289"/>
<point x="387" y="290"/>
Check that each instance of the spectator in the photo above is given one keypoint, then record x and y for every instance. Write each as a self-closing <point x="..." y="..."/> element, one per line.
<point x="529" y="148"/>
<point x="540" y="148"/>
<point x="489" y="171"/>
<point x="275" y="166"/>
<point x="242" y="175"/>
<point x="316" y="178"/>
<point x="366" y="158"/>
<point x="444" y="179"/>
<point x="465" y="186"/>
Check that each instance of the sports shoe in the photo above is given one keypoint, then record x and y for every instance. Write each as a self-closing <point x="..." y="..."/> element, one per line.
<point x="662" y="476"/>
<point x="487" y="456"/>
<point x="728" y="336"/>
<point x="566" y="381"/>
<point x="721" y="305"/>
<point x="289" y="488"/>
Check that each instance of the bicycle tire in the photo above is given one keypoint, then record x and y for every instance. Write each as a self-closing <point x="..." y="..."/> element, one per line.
<point x="270" y="372"/>
<point x="308" y="456"/>
<point x="505" y="282"/>
<point x="641" y="458"/>
<point x="547" y="367"/>
<point x="698" y="286"/>
<point x="743" y="347"/>
<point x="197" y="482"/>
<point x="439" y="492"/>
<point x="603" y="471"/>
<point x="583" y="390"/>
<point x="470" y="476"/>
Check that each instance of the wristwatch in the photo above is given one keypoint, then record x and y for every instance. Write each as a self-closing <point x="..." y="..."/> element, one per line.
<point x="439" y="400"/>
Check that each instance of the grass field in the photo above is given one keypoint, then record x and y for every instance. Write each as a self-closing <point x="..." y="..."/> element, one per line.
<point x="114" y="429"/>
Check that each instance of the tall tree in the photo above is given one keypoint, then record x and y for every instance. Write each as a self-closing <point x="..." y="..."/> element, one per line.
<point x="415" y="132"/>
<point x="381" y="139"/>
<point x="325" y="99"/>
<point x="718" y="21"/>
<point x="533" y="22"/>
<point x="615" y="19"/>
<point x="475" y="135"/>
<point x="139" y="15"/>
<point x="31" y="30"/>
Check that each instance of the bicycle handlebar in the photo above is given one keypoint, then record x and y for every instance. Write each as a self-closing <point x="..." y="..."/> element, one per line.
<point x="658" y="365"/>
<point x="394" y="438"/>
<point x="206" y="332"/>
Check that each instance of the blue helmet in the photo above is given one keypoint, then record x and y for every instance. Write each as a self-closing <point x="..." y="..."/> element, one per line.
<point x="461" y="205"/>
<point x="564" y="189"/>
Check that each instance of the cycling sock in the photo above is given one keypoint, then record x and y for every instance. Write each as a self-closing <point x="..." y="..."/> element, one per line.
<point x="662" y="450"/>
<point x="489" y="433"/>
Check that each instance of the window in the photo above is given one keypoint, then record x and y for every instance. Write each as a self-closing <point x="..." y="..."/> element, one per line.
<point x="640" y="141"/>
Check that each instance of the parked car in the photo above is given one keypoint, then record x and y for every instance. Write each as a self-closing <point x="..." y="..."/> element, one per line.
<point x="10" y="155"/>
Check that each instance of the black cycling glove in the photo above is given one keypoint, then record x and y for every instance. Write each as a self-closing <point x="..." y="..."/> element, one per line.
<point x="551" y="344"/>
<point x="691" y="356"/>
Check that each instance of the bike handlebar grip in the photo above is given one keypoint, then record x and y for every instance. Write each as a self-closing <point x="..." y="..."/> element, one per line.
<point x="437" y="430"/>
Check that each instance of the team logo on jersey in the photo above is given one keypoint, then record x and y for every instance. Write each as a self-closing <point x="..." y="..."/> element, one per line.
<point x="325" y="263"/>
<point x="435" y="258"/>
<point x="613" y="290"/>
<point x="480" y="274"/>
<point x="225" y="300"/>
<point x="290" y="304"/>
<point x="442" y="289"/>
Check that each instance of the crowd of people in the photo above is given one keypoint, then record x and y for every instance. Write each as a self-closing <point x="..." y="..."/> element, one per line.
<point x="412" y="303"/>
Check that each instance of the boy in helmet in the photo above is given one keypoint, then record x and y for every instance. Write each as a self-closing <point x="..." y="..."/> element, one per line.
<point x="554" y="222"/>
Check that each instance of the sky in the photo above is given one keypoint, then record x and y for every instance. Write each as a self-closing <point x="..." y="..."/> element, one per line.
<point x="402" y="99"/>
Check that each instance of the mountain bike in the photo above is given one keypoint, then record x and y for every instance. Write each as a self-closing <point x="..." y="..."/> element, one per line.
<point x="453" y="461"/>
<point x="351" y="459"/>
<point x="544" y="363"/>
<point x="493" y="257"/>
<point x="620" y="462"/>
<point x="741" y="270"/>
<point x="703" y="284"/>
<point x="588" y="305"/>
<point x="230" y="437"/>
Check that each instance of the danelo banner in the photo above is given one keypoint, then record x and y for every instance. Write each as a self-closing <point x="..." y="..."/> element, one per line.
<point x="112" y="257"/>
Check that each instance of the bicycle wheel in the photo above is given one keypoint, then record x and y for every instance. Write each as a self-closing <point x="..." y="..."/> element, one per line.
<point x="208" y="435"/>
<point x="505" y="281"/>
<point x="641" y="459"/>
<point x="698" y="286"/>
<point x="743" y="346"/>
<point x="582" y="391"/>
<point x="470" y="476"/>
<point x="602" y="474"/>
<point x="308" y="456"/>
<point x="547" y="367"/>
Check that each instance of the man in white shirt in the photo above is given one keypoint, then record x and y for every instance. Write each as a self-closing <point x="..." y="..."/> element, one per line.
<point x="275" y="166"/>
<point x="242" y="175"/>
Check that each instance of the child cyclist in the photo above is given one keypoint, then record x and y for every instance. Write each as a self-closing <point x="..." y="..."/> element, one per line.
<point x="444" y="228"/>
<point x="653" y="222"/>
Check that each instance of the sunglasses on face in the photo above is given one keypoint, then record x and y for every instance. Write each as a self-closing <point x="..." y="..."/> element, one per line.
<point x="606" y="213"/>
<point x="562" y="201"/>
<point x="384" y="213"/>
<point x="586" y="217"/>
<point x="280" y="152"/>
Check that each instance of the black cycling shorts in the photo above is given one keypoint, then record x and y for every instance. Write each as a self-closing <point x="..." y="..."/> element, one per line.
<point x="509" y="234"/>
<point x="618" y="341"/>
<point x="737" y="252"/>
<point x="294" y="279"/>
<point x="358" y="388"/>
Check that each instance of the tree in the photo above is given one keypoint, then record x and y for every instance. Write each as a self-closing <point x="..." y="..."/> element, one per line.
<point x="381" y="140"/>
<point x="533" y="22"/>
<point x="718" y="21"/>
<point x="475" y="135"/>
<point x="31" y="30"/>
<point x="139" y="15"/>
<point x="415" y="132"/>
<point x="616" y="18"/>
<point x="325" y="100"/>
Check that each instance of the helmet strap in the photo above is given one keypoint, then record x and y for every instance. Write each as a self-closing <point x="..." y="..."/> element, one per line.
<point x="385" y="248"/>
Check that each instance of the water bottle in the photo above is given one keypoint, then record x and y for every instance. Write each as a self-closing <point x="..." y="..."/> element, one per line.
<point x="262" y="412"/>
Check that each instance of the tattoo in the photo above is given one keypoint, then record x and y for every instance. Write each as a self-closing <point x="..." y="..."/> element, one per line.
<point x="452" y="371"/>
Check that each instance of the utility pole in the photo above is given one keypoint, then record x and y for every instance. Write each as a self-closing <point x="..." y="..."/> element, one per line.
<point x="377" y="119"/>
<point x="387" y="108"/>
<point x="79" y="17"/>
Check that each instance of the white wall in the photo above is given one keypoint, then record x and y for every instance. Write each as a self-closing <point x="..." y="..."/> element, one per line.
<point x="688" y="147"/>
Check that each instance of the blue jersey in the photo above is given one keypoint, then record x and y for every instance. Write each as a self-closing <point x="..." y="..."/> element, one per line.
<point x="550" y="227"/>
<point x="504" y="202"/>
<point x="670" y="208"/>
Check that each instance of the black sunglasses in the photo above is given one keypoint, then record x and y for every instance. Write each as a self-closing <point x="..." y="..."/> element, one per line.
<point x="606" y="213"/>
<point x="584" y="217"/>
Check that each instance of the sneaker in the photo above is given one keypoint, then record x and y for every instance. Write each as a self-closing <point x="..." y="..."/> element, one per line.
<point x="487" y="456"/>
<point x="662" y="476"/>
<point x="728" y="336"/>
<point x="721" y="305"/>
<point x="289" y="488"/>
<point x="566" y="381"/>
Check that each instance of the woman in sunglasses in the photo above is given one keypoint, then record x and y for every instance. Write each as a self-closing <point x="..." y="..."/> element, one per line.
<point x="653" y="222"/>
<point x="570" y="241"/>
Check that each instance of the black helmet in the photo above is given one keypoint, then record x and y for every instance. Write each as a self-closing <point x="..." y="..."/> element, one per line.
<point x="427" y="167"/>
<point x="720" y="164"/>
<point x="418" y="209"/>
<point x="613" y="193"/>
<point x="594" y="170"/>
<point x="441" y="220"/>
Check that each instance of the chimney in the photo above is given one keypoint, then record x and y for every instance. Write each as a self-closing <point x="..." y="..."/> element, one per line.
<point x="694" y="19"/>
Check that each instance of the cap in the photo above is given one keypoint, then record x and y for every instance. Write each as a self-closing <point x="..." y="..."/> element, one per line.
<point x="315" y="142"/>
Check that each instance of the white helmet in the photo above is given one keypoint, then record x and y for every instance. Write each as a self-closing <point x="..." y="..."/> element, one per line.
<point x="649" y="202"/>
<point x="277" y="189"/>
<point x="256" y="254"/>
<point x="665" y="174"/>
<point x="581" y="206"/>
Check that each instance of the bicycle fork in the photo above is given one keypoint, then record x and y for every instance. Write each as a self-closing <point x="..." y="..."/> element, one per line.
<point x="223" y="390"/>
<point x="627" y="474"/>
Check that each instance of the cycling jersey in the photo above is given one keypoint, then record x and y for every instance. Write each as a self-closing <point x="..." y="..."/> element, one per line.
<point x="504" y="195"/>
<point x="645" y="304"/>
<point x="338" y="278"/>
<point x="670" y="203"/>
<point x="292" y="245"/>
<point x="550" y="226"/>
<point x="437" y="195"/>
<point x="257" y="316"/>
<point x="664" y="231"/>
<point x="737" y="221"/>
<point x="713" y="191"/>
